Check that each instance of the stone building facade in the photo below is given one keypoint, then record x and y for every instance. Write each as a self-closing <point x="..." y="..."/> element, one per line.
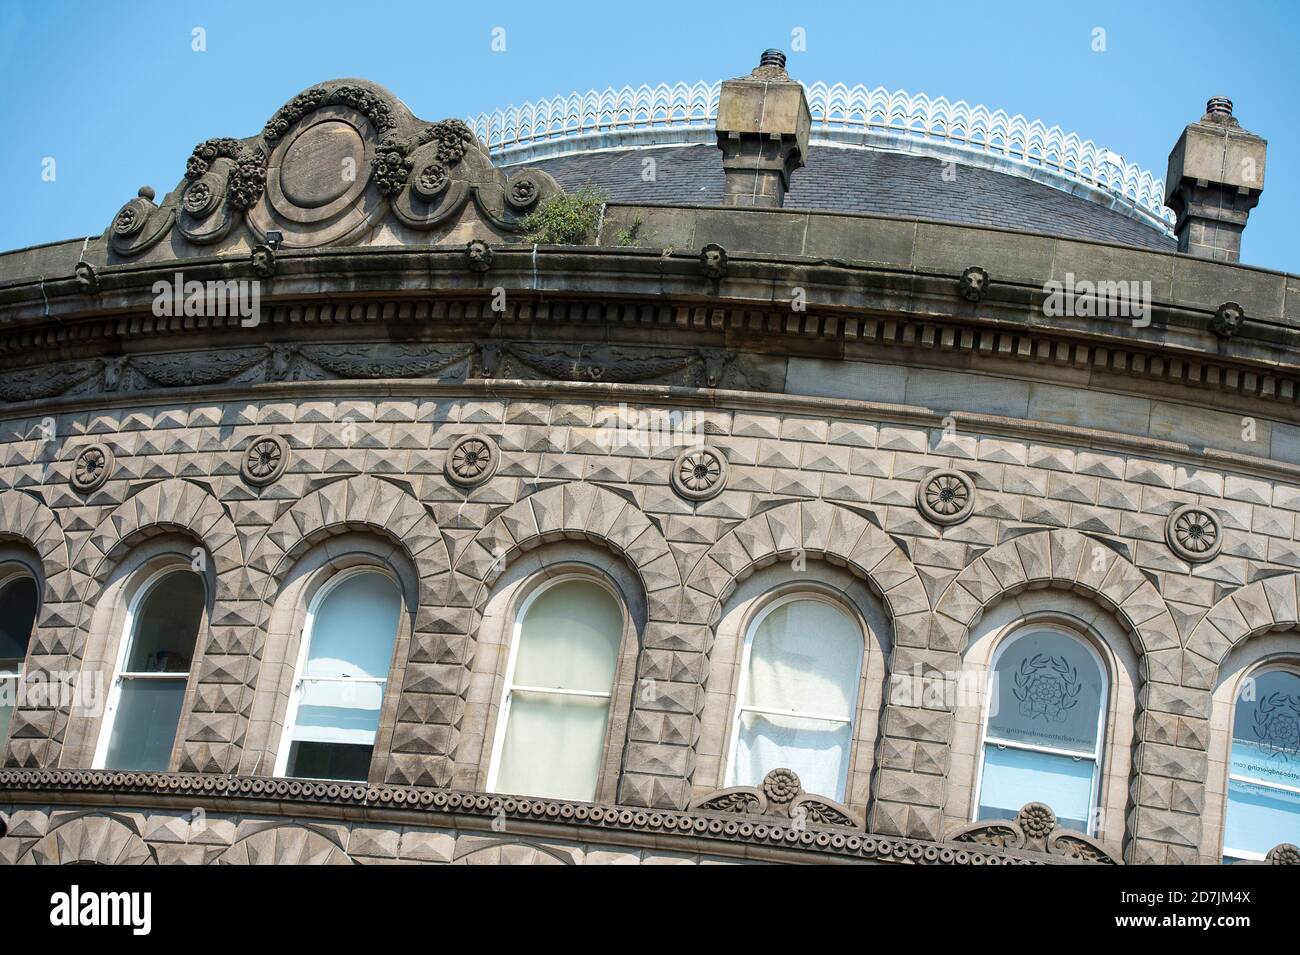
<point x="875" y="393"/>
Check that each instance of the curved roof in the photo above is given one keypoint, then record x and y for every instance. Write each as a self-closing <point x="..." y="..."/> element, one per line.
<point x="867" y="157"/>
<point x="864" y="181"/>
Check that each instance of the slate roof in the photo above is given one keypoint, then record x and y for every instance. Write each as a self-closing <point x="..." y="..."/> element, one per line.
<point x="862" y="181"/>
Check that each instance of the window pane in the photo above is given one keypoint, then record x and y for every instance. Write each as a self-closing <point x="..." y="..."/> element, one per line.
<point x="816" y="750"/>
<point x="1013" y="777"/>
<point x="341" y="689"/>
<point x="553" y="746"/>
<point x="148" y="712"/>
<point x="8" y="699"/>
<point x="1266" y="729"/>
<point x="338" y="711"/>
<point x="1260" y="818"/>
<point x="17" y="616"/>
<point x="310" y="760"/>
<point x="354" y="628"/>
<point x="1047" y="691"/>
<point x="805" y="658"/>
<point x="167" y="625"/>
<point x="569" y="638"/>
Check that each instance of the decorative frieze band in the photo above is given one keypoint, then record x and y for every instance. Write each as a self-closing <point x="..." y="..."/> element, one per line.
<point x="808" y="834"/>
<point x="499" y="358"/>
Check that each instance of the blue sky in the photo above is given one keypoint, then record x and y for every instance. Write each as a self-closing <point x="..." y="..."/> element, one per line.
<point x="117" y="96"/>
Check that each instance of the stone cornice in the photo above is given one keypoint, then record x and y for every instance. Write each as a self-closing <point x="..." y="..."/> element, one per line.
<point x="723" y="834"/>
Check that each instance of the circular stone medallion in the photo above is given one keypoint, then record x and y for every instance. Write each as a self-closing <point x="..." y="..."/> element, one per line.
<point x="946" y="497"/>
<point x="321" y="164"/>
<point x="91" y="467"/>
<point x="699" y="473"/>
<point x="1194" y="533"/>
<point x="471" y="460"/>
<point x="265" y="460"/>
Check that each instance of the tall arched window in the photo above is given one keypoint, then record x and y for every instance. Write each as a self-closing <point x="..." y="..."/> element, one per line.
<point x="554" y="715"/>
<point x="18" y="602"/>
<point x="1264" y="766"/>
<point x="1044" y="728"/>
<point x="153" y="669"/>
<point x="343" y="667"/>
<point x="798" y="694"/>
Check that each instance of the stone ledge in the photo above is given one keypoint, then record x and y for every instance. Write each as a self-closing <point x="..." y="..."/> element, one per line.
<point x="724" y="833"/>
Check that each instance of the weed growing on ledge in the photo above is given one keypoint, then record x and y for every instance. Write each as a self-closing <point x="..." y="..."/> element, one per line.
<point x="566" y="218"/>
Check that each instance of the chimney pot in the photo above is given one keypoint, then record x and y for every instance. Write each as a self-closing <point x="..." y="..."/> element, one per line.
<point x="777" y="58"/>
<point x="1219" y="106"/>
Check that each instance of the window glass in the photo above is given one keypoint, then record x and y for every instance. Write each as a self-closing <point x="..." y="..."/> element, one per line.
<point x="18" y="602"/>
<point x="339" y="692"/>
<point x="558" y="694"/>
<point x="1062" y="782"/>
<point x="1043" y="730"/>
<point x="1264" y="770"/>
<point x="1047" y="691"/>
<point x="145" y="706"/>
<point x="799" y="698"/>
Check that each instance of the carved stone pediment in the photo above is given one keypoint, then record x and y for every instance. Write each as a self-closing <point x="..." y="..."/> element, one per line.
<point x="342" y="163"/>
<point x="1035" y="830"/>
<point x="781" y="795"/>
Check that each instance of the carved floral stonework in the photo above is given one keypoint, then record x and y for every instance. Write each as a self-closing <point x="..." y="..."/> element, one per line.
<point x="699" y="473"/>
<point x="265" y="460"/>
<point x="1034" y="829"/>
<point x="287" y="179"/>
<point x="780" y="794"/>
<point x="946" y="497"/>
<point x="1194" y="533"/>
<point x="472" y="460"/>
<point x="91" y="467"/>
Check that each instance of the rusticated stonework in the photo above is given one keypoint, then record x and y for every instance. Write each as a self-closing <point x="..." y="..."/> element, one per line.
<point x="420" y="388"/>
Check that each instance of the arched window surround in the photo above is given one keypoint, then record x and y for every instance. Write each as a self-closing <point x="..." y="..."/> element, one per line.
<point x="851" y="594"/>
<point x="1053" y="624"/>
<point x="321" y="592"/>
<point x="1099" y="627"/>
<point x="299" y="590"/>
<point x="1261" y="653"/>
<point x="15" y="562"/>
<point x="478" y="755"/>
<point x="772" y="601"/>
<point x="140" y="584"/>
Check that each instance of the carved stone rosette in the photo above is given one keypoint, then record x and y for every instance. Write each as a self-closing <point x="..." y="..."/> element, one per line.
<point x="699" y="473"/>
<point x="781" y="794"/>
<point x="946" y="497"/>
<point x="1194" y="533"/>
<point x="91" y="467"/>
<point x="472" y="460"/>
<point x="265" y="460"/>
<point x="1034" y="830"/>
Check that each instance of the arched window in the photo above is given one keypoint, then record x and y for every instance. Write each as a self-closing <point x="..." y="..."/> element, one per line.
<point x="1044" y="727"/>
<point x="554" y="716"/>
<point x="343" y="667"/>
<point x="1264" y="766"/>
<point x="18" y="602"/>
<point x="153" y="669"/>
<point x="798" y="694"/>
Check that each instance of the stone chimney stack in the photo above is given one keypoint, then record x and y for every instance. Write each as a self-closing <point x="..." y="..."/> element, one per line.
<point x="763" y="126"/>
<point x="1216" y="173"/>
